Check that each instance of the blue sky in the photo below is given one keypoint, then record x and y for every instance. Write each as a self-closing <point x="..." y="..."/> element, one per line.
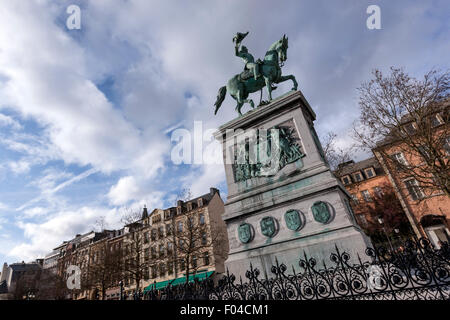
<point x="86" y="115"/>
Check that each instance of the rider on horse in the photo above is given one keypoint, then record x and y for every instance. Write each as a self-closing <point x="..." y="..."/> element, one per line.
<point x="244" y="54"/>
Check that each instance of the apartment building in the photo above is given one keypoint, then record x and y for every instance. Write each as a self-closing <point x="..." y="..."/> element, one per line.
<point x="425" y="203"/>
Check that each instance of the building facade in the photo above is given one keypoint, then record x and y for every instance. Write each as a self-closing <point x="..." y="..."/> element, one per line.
<point x="376" y="206"/>
<point x="189" y="239"/>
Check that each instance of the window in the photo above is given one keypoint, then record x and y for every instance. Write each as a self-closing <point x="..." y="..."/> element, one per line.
<point x="180" y="243"/>
<point x="161" y="251"/>
<point x="366" y="195"/>
<point x="369" y="173"/>
<point x="204" y="238"/>
<point x="153" y="253"/>
<point x="162" y="270"/>
<point x="182" y="264"/>
<point x="146" y="237"/>
<point x="167" y="214"/>
<point x="189" y="206"/>
<point x="358" y="176"/>
<point x="194" y="261"/>
<point x="161" y="232"/>
<point x="354" y="198"/>
<point x="378" y="192"/>
<point x="146" y="274"/>
<point x="410" y="128"/>
<point x="146" y="254"/>
<point x="169" y="229"/>
<point x="154" y="272"/>
<point x="436" y="120"/>
<point x="206" y="258"/>
<point x="346" y="180"/>
<point x="201" y="219"/>
<point x="200" y="202"/>
<point x="399" y="159"/>
<point x="180" y="226"/>
<point x="190" y="222"/>
<point x="170" y="267"/>
<point x="424" y="152"/>
<point x="447" y="146"/>
<point x="414" y="189"/>
<point x="153" y="234"/>
<point x="156" y="218"/>
<point x="169" y="248"/>
<point x="178" y="210"/>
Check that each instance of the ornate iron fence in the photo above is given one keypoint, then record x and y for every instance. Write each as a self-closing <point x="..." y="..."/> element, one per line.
<point x="418" y="272"/>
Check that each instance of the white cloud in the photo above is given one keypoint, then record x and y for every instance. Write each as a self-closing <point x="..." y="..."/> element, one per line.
<point x="130" y="189"/>
<point x="125" y="190"/>
<point x="53" y="87"/>
<point x="200" y="180"/>
<point x="8" y="121"/>
<point x="43" y="237"/>
<point x="35" y="211"/>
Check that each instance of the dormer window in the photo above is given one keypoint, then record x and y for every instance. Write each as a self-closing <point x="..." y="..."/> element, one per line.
<point x="156" y="218"/>
<point x="189" y="206"/>
<point x="370" y="172"/>
<point x="200" y="202"/>
<point x="436" y="120"/>
<point x="178" y="210"/>
<point x="346" y="180"/>
<point x="410" y="128"/>
<point x="358" y="176"/>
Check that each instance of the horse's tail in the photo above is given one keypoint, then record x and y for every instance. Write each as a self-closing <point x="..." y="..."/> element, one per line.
<point x="220" y="97"/>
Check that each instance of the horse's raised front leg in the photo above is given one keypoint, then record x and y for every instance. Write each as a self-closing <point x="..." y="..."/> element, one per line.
<point x="289" y="77"/>
<point x="269" y="87"/>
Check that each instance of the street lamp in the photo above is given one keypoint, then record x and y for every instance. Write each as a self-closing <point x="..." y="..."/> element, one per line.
<point x="381" y="222"/>
<point x="121" y="289"/>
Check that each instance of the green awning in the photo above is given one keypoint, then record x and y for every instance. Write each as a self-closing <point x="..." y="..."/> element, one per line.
<point x="162" y="284"/>
<point x="157" y="286"/>
<point x="199" y="276"/>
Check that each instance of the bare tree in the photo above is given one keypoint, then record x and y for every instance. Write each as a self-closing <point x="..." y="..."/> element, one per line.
<point x="100" y="224"/>
<point x="105" y="269"/>
<point x="194" y="238"/>
<point x="412" y="117"/>
<point x="334" y="154"/>
<point x="135" y="264"/>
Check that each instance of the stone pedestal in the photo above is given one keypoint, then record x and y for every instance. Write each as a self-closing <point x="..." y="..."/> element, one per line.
<point x="290" y="206"/>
